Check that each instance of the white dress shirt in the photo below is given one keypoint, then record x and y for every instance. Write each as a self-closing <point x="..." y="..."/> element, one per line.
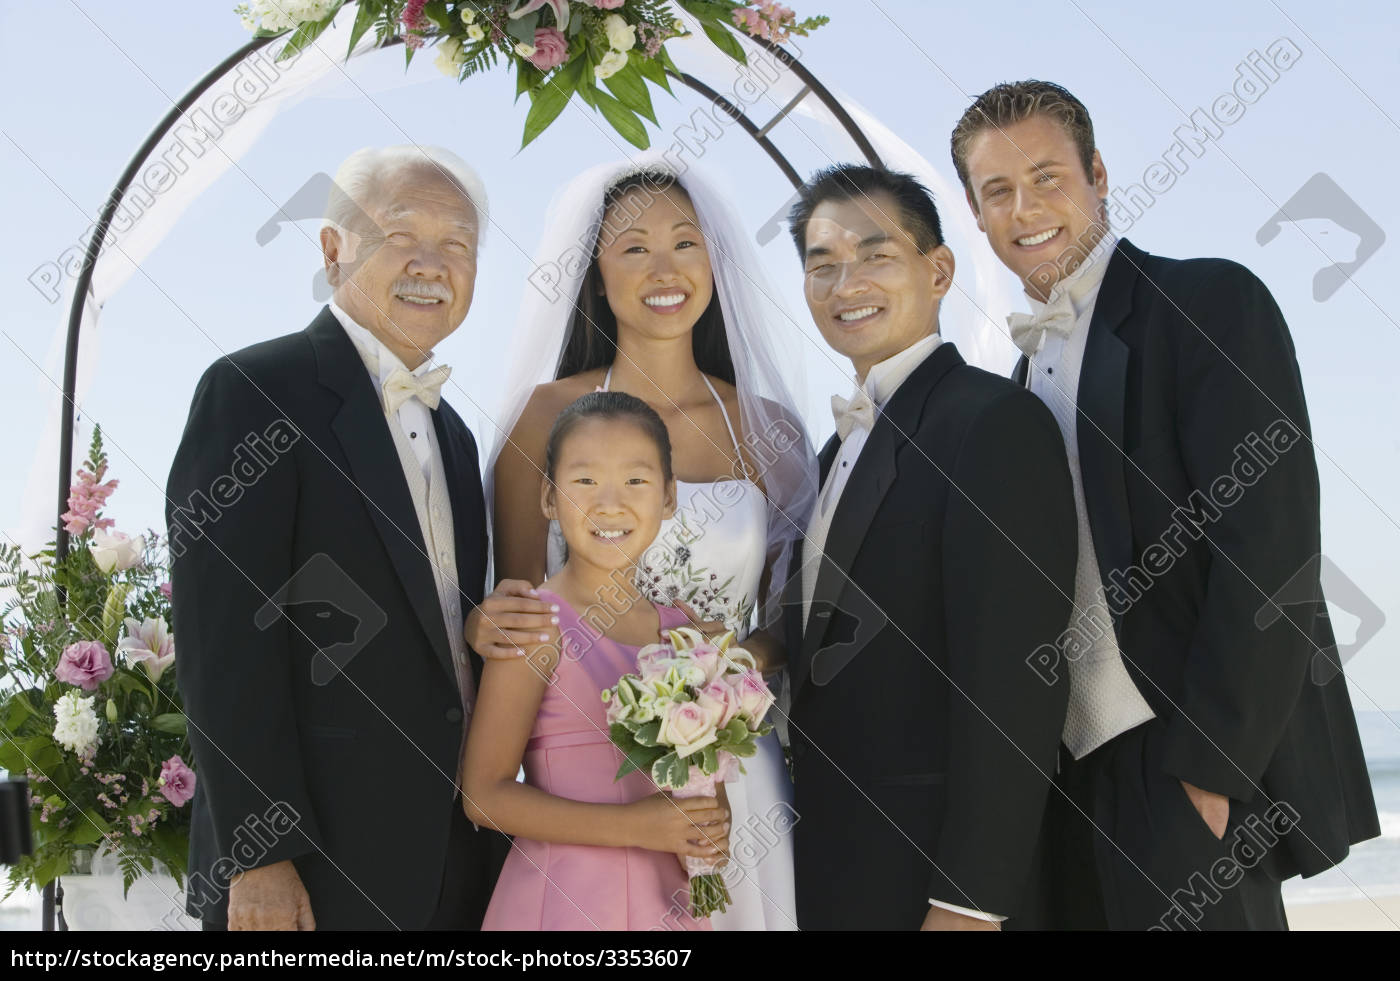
<point x="1103" y="700"/>
<point x="413" y="417"/>
<point x="880" y="383"/>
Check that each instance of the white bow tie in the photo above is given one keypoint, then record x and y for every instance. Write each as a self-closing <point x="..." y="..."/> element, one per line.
<point x="401" y="385"/>
<point x="1028" y="329"/>
<point x="858" y="410"/>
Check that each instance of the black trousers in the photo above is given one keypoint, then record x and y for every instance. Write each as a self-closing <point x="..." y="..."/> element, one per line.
<point x="470" y="869"/>
<point x="1123" y="848"/>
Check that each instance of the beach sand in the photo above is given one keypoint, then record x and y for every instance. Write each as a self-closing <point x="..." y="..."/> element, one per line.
<point x="1380" y="913"/>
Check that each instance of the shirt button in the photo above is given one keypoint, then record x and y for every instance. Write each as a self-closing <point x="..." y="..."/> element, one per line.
<point x="453" y="715"/>
<point x="1049" y="371"/>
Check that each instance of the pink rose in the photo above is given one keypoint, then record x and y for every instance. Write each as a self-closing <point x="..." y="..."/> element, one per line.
<point x="176" y="781"/>
<point x="754" y="697"/>
<point x="651" y="660"/>
<point x="687" y="728"/>
<point x="720" y="701"/>
<point x="165" y="590"/>
<point x="608" y="4"/>
<point x="85" y="664"/>
<point x="551" y="49"/>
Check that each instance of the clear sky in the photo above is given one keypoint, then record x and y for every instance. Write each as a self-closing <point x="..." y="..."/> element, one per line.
<point x="84" y="82"/>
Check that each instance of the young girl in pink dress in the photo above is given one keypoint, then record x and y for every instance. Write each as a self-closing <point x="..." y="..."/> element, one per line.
<point x="590" y="852"/>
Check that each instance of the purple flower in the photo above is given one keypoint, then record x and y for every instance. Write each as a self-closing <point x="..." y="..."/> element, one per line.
<point x="176" y="781"/>
<point x="85" y="664"/>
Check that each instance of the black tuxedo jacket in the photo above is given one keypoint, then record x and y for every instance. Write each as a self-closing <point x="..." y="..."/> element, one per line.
<point x="923" y="743"/>
<point x="293" y="532"/>
<point x="1202" y="492"/>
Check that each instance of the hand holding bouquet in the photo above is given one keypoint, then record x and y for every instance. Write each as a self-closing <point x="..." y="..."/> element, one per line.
<point x="693" y="708"/>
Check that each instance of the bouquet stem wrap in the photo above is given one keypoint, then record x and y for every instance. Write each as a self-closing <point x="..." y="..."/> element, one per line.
<point x="708" y="893"/>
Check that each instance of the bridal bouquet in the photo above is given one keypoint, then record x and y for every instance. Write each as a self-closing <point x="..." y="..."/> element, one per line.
<point x="692" y="709"/>
<point x="88" y="704"/>
<point x="556" y="47"/>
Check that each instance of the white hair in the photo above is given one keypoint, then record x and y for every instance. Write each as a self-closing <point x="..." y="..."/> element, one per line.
<point x="359" y="174"/>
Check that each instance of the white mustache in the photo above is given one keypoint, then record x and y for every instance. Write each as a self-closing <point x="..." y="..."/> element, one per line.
<point x="426" y="290"/>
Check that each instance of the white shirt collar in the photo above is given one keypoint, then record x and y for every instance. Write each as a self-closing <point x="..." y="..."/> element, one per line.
<point x="1082" y="285"/>
<point x="882" y="379"/>
<point x="378" y="359"/>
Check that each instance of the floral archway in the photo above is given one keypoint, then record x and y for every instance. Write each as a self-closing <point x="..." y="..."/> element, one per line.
<point x="607" y="53"/>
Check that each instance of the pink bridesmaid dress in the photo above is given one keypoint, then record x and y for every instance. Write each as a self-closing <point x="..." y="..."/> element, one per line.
<point x="546" y="886"/>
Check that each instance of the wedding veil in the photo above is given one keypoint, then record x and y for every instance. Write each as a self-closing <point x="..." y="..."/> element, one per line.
<point x="770" y="425"/>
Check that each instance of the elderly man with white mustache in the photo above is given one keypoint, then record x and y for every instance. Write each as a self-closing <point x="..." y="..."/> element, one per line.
<point x="320" y="583"/>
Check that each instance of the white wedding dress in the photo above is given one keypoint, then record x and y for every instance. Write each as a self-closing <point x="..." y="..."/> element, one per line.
<point x="711" y="555"/>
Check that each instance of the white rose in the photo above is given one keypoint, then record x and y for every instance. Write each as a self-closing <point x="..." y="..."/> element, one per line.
<point x="468" y="15"/>
<point x="524" y="50"/>
<point x="612" y="63"/>
<point x="475" y="32"/>
<point x="622" y="36"/>
<point x="449" y="59"/>
<point x="113" y="550"/>
<point x="76" y="724"/>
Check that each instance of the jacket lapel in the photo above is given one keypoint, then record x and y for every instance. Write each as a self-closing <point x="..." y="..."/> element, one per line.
<point x="872" y="476"/>
<point x="363" y="433"/>
<point x="468" y="510"/>
<point x="1101" y="400"/>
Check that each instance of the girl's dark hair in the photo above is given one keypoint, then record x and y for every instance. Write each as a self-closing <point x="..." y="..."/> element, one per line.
<point x="610" y="406"/>
<point x="591" y="340"/>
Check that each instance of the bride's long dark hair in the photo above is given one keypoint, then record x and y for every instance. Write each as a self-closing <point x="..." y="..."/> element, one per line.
<point x="591" y="341"/>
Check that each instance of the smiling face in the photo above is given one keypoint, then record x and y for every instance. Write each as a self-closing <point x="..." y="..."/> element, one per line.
<point x="871" y="292"/>
<point x="410" y="280"/>
<point x="1042" y="213"/>
<point x="610" y="492"/>
<point x="654" y="265"/>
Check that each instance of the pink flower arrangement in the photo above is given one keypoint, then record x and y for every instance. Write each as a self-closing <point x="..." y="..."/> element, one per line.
<point x="692" y="709"/>
<point x="551" y="49"/>
<point x="150" y="643"/>
<point x="771" y="21"/>
<point x="412" y="17"/>
<point x="176" y="781"/>
<point x="86" y="664"/>
<point x="86" y="498"/>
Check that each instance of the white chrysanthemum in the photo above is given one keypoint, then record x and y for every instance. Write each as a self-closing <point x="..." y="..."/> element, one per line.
<point x="76" y="728"/>
<point x="282" y="15"/>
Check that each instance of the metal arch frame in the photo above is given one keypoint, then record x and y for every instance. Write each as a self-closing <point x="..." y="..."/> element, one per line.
<point x="52" y="893"/>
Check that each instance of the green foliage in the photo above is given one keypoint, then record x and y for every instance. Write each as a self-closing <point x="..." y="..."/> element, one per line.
<point x="625" y="104"/>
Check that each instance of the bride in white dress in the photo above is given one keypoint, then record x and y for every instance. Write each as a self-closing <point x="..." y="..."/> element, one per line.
<point x="646" y="283"/>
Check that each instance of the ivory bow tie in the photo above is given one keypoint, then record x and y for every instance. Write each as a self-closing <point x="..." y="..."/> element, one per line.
<point x="1027" y="329"/>
<point x="401" y="386"/>
<point x="855" y="411"/>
